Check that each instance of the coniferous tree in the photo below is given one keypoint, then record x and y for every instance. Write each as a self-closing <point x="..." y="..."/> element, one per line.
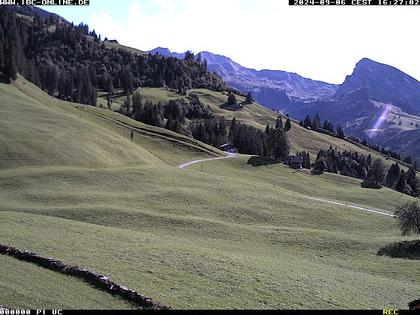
<point x="232" y="130"/>
<point x="278" y="144"/>
<point x="1" y="52"/>
<point x="126" y="107"/>
<point x="52" y="79"/>
<point x="267" y="130"/>
<point x="232" y="100"/>
<point x="316" y="124"/>
<point x="413" y="182"/>
<point x="393" y="175"/>
<point x="408" y="159"/>
<point x="402" y="182"/>
<point x="279" y="123"/>
<point x="306" y="159"/>
<point x="328" y="125"/>
<point x="307" y="123"/>
<point x="157" y="118"/>
<point x="137" y="106"/>
<point x="377" y="172"/>
<point x="10" y="65"/>
<point x="249" y="98"/>
<point x="170" y="124"/>
<point x="320" y="165"/>
<point x="340" y="133"/>
<point x="287" y="125"/>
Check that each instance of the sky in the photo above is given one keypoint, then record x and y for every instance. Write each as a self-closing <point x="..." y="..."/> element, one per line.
<point x="322" y="43"/>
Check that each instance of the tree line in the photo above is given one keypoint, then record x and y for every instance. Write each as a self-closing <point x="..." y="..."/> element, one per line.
<point x="189" y="116"/>
<point x="373" y="172"/>
<point x="71" y="62"/>
<point x="328" y="128"/>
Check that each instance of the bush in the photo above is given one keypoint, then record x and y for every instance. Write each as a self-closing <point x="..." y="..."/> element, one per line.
<point x="407" y="249"/>
<point x="370" y="185"/>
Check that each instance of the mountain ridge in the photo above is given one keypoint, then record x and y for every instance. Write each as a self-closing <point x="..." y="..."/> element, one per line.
<point x="273" y="88"/>
<point x="376" y="101"/>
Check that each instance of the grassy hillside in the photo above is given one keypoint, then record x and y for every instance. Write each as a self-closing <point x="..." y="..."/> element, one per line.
<point x="257" y="116"/>
<point x="41" y="130"/>
<point x="33" y="133"/>
<point x="23" y="284"/>
<point x="230" y="236"/>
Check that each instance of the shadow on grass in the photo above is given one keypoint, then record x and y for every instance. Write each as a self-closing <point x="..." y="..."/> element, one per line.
<point x="407" y="249"/>
<point x="3" y="80"/>
<point x="261" y="161"/>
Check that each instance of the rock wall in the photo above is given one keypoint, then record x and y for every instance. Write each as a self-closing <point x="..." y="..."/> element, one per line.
<point x="97" y="280"/>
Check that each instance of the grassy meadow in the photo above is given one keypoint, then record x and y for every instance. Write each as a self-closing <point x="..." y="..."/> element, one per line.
<point x="224" y="234"/>
<point x="255" y="115"/>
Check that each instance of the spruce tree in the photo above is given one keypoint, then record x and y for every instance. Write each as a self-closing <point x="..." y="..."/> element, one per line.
<point x="233" y="129"/>
<point x="340" y="133"/>
<point x="10" y="65"/>
<point x="402" y="183"/>
<point x="170" y="124"/>
<point x="232" y="100"/>
<point x="287" y="125"/>
<point x="393" y="175"/>
<point x="279" y="123"/>
<point x="321" y="165"/>
<point x="278" y="144"/>
<point x="137" y="106"/>
<point x="413" y="182"/>
<point x="377" y="172"/>
<point x="267" y="130"/>
<point x="1" y="56"/>
<point x="307" y="123"/>
<point x="249" y="98"/>
<point x="316" y="124"/>
<point x="2" y="42"/>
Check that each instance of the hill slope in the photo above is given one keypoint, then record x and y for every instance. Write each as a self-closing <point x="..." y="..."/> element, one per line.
<point x="35" y="134"/>
<point x="228" y="236"/>
<point x="258" y="116"/>
<point x="376" y="102"/>
<point x="274" y="88"/>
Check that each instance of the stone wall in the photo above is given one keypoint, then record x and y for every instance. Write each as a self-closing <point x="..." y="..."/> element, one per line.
<point x="97" y="280"/>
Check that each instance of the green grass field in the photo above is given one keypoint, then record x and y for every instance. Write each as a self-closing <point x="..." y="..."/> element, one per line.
<point x="230" y="236"/>
<point x="43" y="288"/>
<point x="258" y="116"/>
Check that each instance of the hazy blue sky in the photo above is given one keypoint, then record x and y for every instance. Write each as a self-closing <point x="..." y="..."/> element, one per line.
<point x="322" y="43"/>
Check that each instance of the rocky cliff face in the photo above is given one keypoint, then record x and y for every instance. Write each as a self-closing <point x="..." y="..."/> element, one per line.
<point x="385" y="84"/>
<point x="377" y="102"/>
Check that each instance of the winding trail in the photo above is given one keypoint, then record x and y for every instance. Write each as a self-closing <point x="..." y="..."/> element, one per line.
<point x="228" y="156"/>
<point x="313" y="198"/>
<point x="377" y="211"/>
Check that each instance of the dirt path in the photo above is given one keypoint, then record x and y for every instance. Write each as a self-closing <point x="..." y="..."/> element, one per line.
<point x="228" y="156"/>
<point x="313" y="198"/>
<point x="377" y="211"/>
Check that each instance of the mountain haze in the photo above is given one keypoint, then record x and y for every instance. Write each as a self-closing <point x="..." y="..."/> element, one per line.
<point x="276" y="89"/>
<point x="377" y="102"/>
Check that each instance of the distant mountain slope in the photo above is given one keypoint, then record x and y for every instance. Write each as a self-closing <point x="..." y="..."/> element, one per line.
<point x="274" y="88"/>
<point x="377" y="102"/>
<point x="385" y="83"/>
<point x="166" y="52"/>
